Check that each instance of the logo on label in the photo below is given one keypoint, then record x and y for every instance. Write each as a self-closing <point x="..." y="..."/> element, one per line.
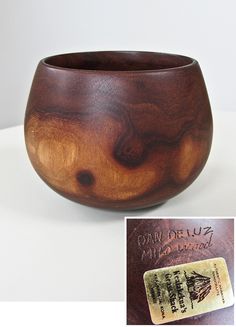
<point x="199" y="286"/>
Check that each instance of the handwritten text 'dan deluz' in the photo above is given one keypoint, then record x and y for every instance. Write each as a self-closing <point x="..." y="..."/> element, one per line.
<point x="156" y="244"/>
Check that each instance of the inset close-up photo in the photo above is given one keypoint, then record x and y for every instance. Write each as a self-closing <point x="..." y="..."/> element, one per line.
<point x="180" y="271"/>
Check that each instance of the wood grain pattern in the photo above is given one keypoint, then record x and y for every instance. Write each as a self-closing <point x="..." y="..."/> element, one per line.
<point x="121" y="130"/>
<point x="157" y="243"/>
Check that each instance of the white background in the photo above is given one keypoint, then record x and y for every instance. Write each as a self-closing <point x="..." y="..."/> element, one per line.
<point x="32" y="29"/>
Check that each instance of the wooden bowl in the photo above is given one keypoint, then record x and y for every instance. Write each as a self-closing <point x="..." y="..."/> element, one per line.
<point x="121" y="130"/>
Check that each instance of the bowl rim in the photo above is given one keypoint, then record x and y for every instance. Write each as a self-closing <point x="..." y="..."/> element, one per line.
<point x="193" y="62"/>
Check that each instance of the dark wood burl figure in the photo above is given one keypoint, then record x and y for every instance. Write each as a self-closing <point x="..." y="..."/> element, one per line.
<point x="121" y="130"/>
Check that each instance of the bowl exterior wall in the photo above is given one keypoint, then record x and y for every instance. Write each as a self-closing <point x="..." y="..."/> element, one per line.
<point x="122" y="140"/>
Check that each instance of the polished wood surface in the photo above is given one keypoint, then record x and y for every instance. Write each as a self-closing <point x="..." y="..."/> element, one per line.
<point x="157" y="243"/>
<point x="120" y="130"/>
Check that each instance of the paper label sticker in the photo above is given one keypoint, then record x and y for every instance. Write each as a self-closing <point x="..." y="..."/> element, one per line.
<point x="187" y="290"/>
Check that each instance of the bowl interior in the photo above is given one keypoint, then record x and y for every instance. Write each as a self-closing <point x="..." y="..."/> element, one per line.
<point x="118" y="61"/>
